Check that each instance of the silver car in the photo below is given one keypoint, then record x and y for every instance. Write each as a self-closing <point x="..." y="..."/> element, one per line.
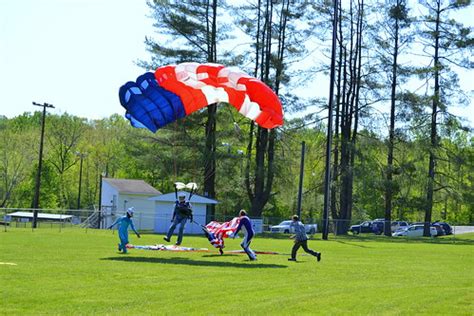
<point x="414" y="231"/>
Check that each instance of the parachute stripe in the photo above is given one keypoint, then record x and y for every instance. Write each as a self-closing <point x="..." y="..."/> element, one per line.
<point x="165" y="111"/>
<point x="174" y="91"/>
<point x="149" y="105"/>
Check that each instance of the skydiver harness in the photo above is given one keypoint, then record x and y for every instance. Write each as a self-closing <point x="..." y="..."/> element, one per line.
<point x="183" y="209"/>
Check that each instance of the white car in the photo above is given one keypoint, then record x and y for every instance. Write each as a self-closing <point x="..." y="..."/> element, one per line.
<point x="284" y="227"/>
<point x="396" y="225"/>
<point x="414" y="231"/>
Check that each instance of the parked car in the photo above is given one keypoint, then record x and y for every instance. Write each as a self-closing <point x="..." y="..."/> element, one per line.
<point x="447" y="228"/>
<point x="284" y="227"/>
<point x="414" y="231"/>
<point x="439" y="229"/>
<point x="375" y="227"/>
<point x="397" y="225"/>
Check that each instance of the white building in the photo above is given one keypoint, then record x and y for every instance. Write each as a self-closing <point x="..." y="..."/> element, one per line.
<point x="120" y="194"/>
<point x="164" y="206"/>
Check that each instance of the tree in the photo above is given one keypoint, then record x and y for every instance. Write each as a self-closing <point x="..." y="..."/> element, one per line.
<point x="272" y="26"/>
<point x="193" y="30"/>
<point x="347" y="110"/>
<point x="65" y="133"/>
<point x="391" y="40"/>
<point x="16" y="156"/>
<point x="447" y="42"/>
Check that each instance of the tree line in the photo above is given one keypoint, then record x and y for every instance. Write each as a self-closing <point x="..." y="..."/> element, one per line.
<point x="414" y="161"/>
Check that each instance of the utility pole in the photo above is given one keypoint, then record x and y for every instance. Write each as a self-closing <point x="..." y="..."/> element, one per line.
<point x="35" y="204"/>
<point x="100" y="199"/>
<point x="81" y="156"/>
<point x="300" y="187"/>
<point x="327" y="174"/>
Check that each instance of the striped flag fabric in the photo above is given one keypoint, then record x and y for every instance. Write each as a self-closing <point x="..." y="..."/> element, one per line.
<point x="216" y="232"/>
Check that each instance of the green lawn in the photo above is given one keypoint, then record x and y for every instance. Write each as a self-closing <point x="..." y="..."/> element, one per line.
<point x="77" y="272"/>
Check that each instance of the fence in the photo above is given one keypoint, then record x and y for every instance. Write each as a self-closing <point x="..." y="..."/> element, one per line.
<point x="16" y="218"/>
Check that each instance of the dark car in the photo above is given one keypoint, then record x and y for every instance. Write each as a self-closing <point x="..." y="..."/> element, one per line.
<point x="446" y="227"/>
<point x="375" y="227"/>
<point x="439" y="229"/>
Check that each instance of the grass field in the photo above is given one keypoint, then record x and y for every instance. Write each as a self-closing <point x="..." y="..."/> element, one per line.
<point x="79" y="272"/>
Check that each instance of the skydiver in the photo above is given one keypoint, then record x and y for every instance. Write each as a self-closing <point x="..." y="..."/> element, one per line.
<point x="123" y="223"/>
<point x="182" y="211"/>
<point x="246" y="225"/>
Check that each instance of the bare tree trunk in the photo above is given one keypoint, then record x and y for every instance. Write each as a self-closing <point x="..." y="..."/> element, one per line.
<point x="433" y="134"/>
<point x="259" y="190"/>
<point x="210" y="147"/>
<point x="391" y="137"/>
<point x="335" y="172"/>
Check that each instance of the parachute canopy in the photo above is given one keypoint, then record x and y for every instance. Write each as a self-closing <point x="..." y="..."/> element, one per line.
<point x="175" y="91"/>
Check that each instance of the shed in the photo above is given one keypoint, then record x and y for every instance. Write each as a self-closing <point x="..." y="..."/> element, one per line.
<point x="28" y="217"/>
<point x="120" y="194"/>
<point x="164" y="206"/>
<point x="25" y="217"/>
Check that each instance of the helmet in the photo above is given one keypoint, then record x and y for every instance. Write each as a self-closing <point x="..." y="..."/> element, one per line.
<point x="181" y="196"/>
<point x="130" y="211"/>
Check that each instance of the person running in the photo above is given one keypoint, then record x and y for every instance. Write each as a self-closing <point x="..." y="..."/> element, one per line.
<point x="181" y="213"/>
<point x="123" y="222"/>
<point x="246" y="225"/>
<point x="301" y="239"/>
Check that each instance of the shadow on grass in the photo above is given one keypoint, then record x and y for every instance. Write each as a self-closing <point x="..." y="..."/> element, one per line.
<point x="217" y="255"/>
<point x="351" y="244"/>
<point x="187" y="261"/>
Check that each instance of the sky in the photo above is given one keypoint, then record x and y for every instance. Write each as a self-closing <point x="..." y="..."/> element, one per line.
<point x="75" y="54"/>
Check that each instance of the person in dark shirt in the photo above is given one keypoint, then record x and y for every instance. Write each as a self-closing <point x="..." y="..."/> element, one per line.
<point x="301" y="239"/>
<point x="181" y="213"/>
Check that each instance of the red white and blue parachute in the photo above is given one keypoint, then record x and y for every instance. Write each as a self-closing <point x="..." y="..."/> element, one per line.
<point x="175" y="91"/>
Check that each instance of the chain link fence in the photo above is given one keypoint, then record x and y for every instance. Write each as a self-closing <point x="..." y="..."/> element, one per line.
<point x="60" y="219"/>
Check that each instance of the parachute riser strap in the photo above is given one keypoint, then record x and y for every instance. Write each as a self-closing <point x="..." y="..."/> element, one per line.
<point x="191" y="194"/>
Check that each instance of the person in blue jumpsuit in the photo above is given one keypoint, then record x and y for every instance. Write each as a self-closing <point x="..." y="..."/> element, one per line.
<point x="182" y="211"/>
<point x="123" y="223"/>
<point x="246" y="225"/>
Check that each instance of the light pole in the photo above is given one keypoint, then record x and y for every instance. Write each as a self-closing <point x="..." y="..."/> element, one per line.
<point x="35" y="204"/>
<point x="81" y="156"/>
<point x="102" y="175"/>
<point x="300" y="186"/>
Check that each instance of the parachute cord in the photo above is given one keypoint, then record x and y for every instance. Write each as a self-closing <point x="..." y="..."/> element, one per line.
<point x="175" y="167"/>
<point x="236" y="125"/>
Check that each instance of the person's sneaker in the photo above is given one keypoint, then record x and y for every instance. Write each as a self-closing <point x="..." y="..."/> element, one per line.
<point x="167" y="239"/>
<point x="318" y="256"/>
<point x="221" y="251"/>
<point x="253" y="259"/>
<point x="178" y="243"/>
<point x="119" y="247"/>
<point x="291" y="259"/>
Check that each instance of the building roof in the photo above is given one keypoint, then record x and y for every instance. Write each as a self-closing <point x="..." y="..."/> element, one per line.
<point x="41" y="215"/>
<point x="196" y="198"/>
<point x="132" y="186"/>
